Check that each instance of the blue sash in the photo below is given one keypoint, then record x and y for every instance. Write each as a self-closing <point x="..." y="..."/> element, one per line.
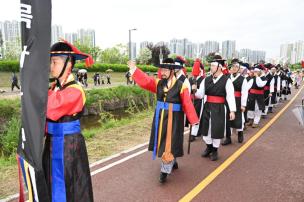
<point x="162" y="106"/>
<point x="57" y="131"/>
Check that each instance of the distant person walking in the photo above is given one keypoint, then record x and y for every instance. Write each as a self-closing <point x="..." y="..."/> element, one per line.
<point x="96" y="79"/>
<point x="108" y="78"/>
<point x="128" y="75"/>
<point x="14" y="81"/>
<point x="85" y="80"/>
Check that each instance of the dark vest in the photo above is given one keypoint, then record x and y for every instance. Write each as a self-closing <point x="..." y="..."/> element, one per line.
<point x="173" y="95"/>
<point x="216" y="89"/>
<point x="237" y="83"/>
<point x="255" y="86"/>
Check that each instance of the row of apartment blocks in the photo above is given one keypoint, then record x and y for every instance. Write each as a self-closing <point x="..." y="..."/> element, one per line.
<point x="292" y="52"/>
<point x="86" y="36"/>
<point x="228" y="50"/>
<point x="10" y="35"/>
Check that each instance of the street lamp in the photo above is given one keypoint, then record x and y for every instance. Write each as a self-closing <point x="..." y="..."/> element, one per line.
<point x="130" y="52"/>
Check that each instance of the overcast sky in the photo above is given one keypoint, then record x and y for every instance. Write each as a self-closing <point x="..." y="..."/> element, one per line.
<point x="254" y="24"/>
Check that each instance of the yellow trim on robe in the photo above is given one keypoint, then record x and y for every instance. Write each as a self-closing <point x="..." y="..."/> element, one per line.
<point x="183" y="88"/>
<point x="81" y="90"/>
<point x="28" y="181"/>
<point x="156" y="82"/>
<point x="160" y="129"/>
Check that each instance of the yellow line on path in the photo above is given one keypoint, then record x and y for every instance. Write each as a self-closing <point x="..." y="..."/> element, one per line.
<point x="204" y="183"/>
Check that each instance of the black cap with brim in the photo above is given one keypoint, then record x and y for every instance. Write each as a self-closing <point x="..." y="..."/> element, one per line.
<point x="245" y="65"/>
<point x="170" y="66"/>
<point x="169" y="63"/>
<point x="64" y="49"/>
<point x="219" y="59"/>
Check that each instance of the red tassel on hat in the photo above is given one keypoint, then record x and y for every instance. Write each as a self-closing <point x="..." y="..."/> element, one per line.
<point x="196" y="68"/>
<point x="184" y="70"/>
<point x="225" y="70"/>
<point x="88" y="61"/>
<point x="158" y="74"/>
<point x="182" y="59"/>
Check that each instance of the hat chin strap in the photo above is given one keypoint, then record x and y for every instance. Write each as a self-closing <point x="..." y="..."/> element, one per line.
<point x="218" y="65"/>
<point x="58" y="84"/>
<point x="166" y="80"/>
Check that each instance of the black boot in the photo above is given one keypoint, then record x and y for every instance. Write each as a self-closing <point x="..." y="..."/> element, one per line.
<point x="270" y="110"/>
<point x="214" y="155"/>
<point x="175" y="165"/>
<point x="192" y="138"/>
<point x="207" y="151"/>
<point x="227" y="141"/>
<point x="163" y="177"/>
<point x="240" y="136"/>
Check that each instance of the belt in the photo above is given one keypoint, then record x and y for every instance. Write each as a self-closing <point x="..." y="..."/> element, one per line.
<point x="255" y="91"/>
<point x="215" y="99"/>
<point x="237" y="93"/>
<point x="58" y="131"/>
<point x="162" y="106"/>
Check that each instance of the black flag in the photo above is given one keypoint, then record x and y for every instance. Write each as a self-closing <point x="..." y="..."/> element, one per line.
<point x="34" y="69"/>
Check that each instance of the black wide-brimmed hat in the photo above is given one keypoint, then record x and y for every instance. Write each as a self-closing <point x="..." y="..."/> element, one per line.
<point x="171" y="64"/>
<point x="217" y="58"/>
<point x="64" y="48"/>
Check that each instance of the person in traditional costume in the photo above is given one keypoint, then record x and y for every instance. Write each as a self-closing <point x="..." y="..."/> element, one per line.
<point x="297" y="79"/>
<point x="276" y="88"/>
<point x="65" y="158"/>
<point x="286" y="82"/>
<point x="256" y="103"/>
<point x="268" y="88"/>
<point x="241" y="95"/>
<point x="248" y="77"/>
<point x="198" y="75"/>
<point x="280" y="76"/>
<point x="218" y="90"/>
<point x="173" y="100"/>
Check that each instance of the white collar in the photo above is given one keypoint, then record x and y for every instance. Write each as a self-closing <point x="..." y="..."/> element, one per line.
<point x="235" y="77"/>
<point x="179" y="74"/>
<point x="217" y="78"/>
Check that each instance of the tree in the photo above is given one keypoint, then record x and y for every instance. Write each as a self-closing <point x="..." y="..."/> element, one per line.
<point x="155" y="50"/>
<point x="114" y="55"/>
<point x="145" y="56"/>
<point x="12" y="49"/>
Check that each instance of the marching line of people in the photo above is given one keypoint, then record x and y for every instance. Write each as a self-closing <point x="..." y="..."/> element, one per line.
<point x="230" y="97"/>
<point x="212" y="105"/>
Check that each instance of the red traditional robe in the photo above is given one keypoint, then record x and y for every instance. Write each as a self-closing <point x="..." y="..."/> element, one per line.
<point x="65" y="158"/>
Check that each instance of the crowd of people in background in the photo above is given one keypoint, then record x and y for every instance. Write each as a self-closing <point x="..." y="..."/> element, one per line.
<point x="98" y="78"/>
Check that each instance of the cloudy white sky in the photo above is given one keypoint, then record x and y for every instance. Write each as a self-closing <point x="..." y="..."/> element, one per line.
<point x="254" y="24"/>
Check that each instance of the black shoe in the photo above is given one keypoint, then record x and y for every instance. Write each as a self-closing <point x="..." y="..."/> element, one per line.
<point x="227" y="141"/>
<point x="207" y="151"/>
<point x="175" y="166"/>
<point x="214" y="155"/>
<point x="163" y="177"/>
<point x="192" y="138"/>
<point x="240" y="136"/>
<point x="270" y="110"/>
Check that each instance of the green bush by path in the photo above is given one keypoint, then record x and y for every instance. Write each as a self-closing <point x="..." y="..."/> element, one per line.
<point x="9" y="66"/>
<point x="13" y="66"/>
<point x="120" y="93"/>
